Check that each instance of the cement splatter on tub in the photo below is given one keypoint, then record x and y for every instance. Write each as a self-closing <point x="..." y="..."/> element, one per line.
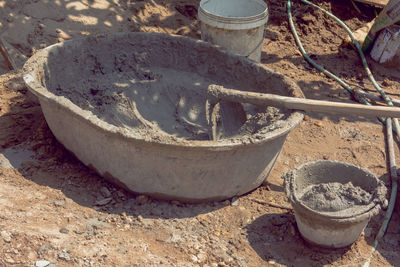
<point x="331" y="197"/>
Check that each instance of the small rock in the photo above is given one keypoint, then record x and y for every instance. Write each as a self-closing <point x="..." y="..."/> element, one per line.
<point x="202" y="257"/>
<point x="140" y="218"/>
<point x="142" y="199"/>
<point x="6" y="236"/>
<point x="235" y="201"/>
<point x="64" y="255"/>
<point x="105" y="192"/>
<point x="64" y="230"/>
<point x="194" y="258"/>
<point x="42" y="263"/>
<point x="174" y="238"/>
<point x="222" y="254"/>
<point x="63" y="35"/>
<point x="272" y="262"/>
<point x="318" y="123"/>
<point x="386" y="82"/>
<point x="385" y="204"/>
<point x="31" y="254"/>
<point x="226" y="203"/>
<point x="78" y="232"/>
<point x="44" y="248"/>
<point x="10" y="260"/>
<point x="103" y="201"/>
<point x="59" y="203"/>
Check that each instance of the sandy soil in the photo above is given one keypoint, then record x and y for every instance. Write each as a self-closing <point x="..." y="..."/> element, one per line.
<point x="54" y="209"/>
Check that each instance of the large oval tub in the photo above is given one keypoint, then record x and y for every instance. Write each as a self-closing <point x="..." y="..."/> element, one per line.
<point x="132" y="107"/>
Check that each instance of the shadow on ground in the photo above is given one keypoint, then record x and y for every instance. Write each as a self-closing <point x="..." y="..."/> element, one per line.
<point x="266" y="232"/>
<point x="87" y="188"/>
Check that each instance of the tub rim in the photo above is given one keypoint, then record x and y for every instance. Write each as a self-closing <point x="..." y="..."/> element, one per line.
<point x="34" y="64"/>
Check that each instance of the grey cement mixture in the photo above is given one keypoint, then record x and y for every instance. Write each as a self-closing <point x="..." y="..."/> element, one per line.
<point x="163" y="102"/>
<point x="331" y="197"/>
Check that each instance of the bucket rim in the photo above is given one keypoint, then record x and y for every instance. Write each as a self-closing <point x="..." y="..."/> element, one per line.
<point x="233" y="23"/>
<point x="261" y="15"/>
<point x="33" y="64"/>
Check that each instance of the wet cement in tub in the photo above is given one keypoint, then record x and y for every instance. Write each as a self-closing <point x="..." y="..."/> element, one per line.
<point x="164" y="103"/>
<point x="332" y="197"/>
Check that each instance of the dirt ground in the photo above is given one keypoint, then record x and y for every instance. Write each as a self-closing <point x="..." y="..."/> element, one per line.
<point x="57" y="212"/>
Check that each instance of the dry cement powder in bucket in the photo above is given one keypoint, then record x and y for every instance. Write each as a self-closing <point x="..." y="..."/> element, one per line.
<point x="237" y="25"/>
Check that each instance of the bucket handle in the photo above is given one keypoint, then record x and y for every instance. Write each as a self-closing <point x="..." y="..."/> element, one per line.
<point x="255" y="48"/>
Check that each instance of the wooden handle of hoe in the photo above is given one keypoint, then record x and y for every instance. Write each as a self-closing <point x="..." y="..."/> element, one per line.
<point x="216" y="92"/>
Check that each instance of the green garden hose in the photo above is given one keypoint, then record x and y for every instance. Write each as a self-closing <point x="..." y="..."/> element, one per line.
<point x="394" y="176"/>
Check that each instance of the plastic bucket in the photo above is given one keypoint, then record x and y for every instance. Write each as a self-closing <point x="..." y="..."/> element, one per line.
<point x="332" y="229"/>
<point x="237" y="25"/>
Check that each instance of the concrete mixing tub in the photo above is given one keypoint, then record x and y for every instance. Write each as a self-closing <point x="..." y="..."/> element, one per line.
<point x="166" y="166"/>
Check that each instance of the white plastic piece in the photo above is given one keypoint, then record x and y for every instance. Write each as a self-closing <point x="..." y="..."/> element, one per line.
<point x="387" y="45"/>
